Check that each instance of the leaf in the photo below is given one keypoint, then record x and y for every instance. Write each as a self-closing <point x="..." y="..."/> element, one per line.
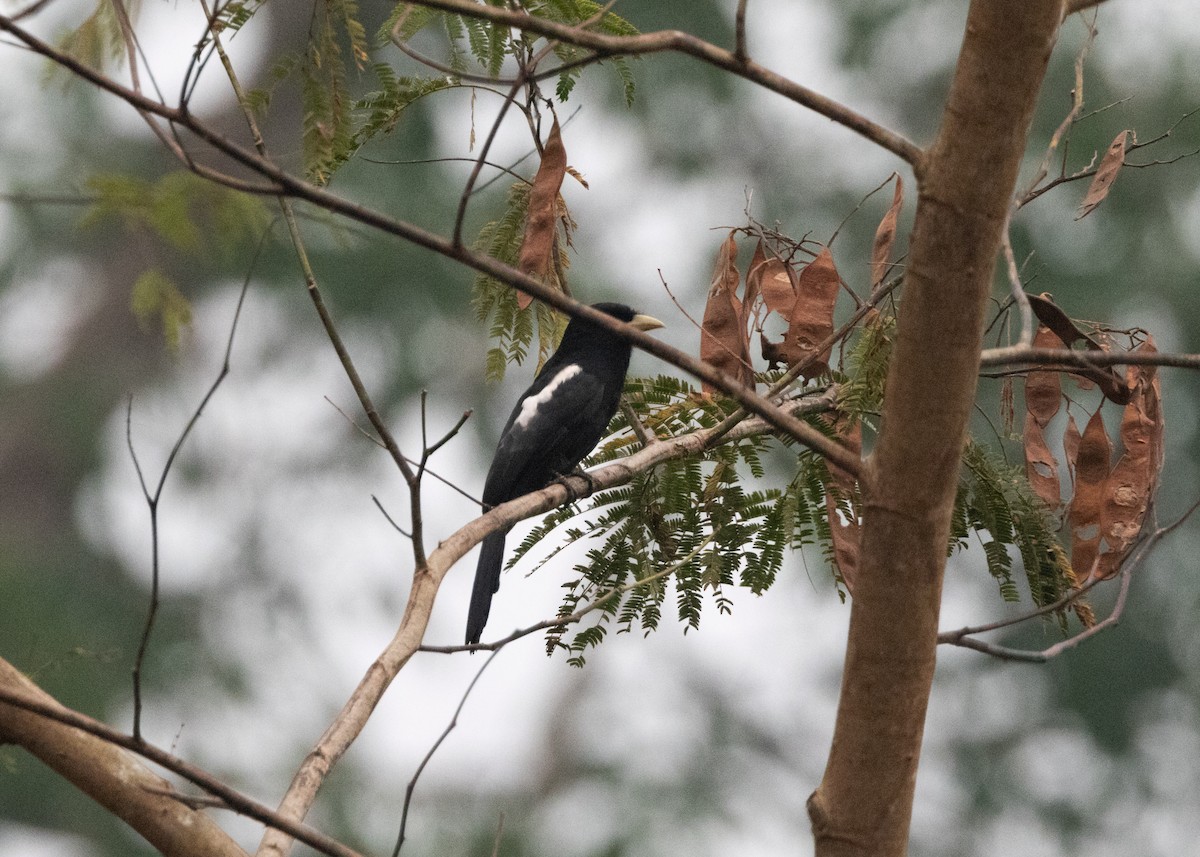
<point x="885" y="235"/>
<point x="1106" y="174"/>
<point x="96" y="40"/>
<point x="1130" y="486"/>
<point x="723" y="341"/>
<point x="155" y="298"/>
<point x="541" y="223"/>
<point x="1007" y="411"/>
<point x="1041" y="468"/>
<point x="811" y="319"/>
<point x="1092" y="462"/>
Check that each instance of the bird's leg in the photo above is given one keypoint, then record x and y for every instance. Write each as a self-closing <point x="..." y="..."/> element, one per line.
<point x="572" y="494"/>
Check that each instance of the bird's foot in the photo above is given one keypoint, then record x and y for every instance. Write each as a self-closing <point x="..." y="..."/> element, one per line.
<point x="572" y="493"/>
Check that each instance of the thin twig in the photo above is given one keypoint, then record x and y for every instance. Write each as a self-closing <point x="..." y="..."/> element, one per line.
<point x="412" y="784"/>
<point x="739" y="32"/>
<point x="644" y="436"/>
<point x="286" y="183"/>
<point x="964" y="636"/>
<point x="699" y="327"/>
<point x="861" y="202"/>
<point x="31" y="9"/>
<point x="233" y="799"/>
<point x="1018" y="289"/>
<point x="605" y="45"/>
<point x="455" y="429"/>
<point x="1067" y="122"/>
<point x="498" y="837"/>
<point x="152" y="498"/>
<point x="417" y="161"/>
<point x="522" y="80"/>
<point x="389" y="518"/>
<point x="426" y="470"/>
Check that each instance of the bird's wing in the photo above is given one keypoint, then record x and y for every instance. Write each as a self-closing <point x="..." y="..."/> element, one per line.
<point x="549" y="432"/>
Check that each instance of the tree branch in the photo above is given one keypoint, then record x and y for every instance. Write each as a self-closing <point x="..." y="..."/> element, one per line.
<point x="1025" y="356"/>
<point x="353" y="717"/>
<point x="292" y="186"/>
<point x="965" y="636"/>
<point x="685" y="43"/>
<point x="88" y="754"/>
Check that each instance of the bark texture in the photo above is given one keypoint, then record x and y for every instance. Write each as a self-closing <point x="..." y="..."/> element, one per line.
<point x="111" y="777"/>
<point x="966" y="180"/>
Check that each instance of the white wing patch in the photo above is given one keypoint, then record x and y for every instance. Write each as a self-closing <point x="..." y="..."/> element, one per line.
<point x="529" y="407"/>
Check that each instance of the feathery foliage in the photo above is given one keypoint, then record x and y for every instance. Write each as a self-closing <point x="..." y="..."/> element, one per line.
<point x="194" y="217"/>
<point x="861" y="392"/>
<point x="383" y="107"/>
<point x="328" y="133"/>
<point x="996" y="501"/>
<point x="512" y="328"/>
<point x="191" y="214"/>
<point x="489" y="45"/>
<point x="157" y="301"/>
<point x="689" y="532"/>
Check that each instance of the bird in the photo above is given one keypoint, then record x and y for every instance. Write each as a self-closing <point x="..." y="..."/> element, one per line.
<point x="554" y="424"/>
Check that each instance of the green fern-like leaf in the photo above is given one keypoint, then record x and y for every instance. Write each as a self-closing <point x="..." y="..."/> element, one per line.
<point x="997" y="501"/>
<point x="259" y="99"/>
<point x="512" y="329"/>
<point x="382" y="108"/>
<point x="156" y="301"/>
<point x="861" y="393"/>
<point x="235" y="14"/>
<point x="96" y="41"/>
<point x="327" y="126"/>
<point x="192" y="215"/>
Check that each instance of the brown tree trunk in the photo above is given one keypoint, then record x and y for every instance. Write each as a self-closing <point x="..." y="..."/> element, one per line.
<point x="864" y="803"/>
<point x="112" y="777"/>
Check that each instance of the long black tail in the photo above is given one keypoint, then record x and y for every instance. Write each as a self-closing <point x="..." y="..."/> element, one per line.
<point x="487" y="581"/>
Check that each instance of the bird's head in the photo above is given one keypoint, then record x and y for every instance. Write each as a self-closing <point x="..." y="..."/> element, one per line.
<point x="629" y="315"/>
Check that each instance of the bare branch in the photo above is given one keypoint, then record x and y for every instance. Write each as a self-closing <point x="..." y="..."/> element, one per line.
<point x="31" y="9"/>
<point x="85" y="752"/>
<point x="606" y="45"/>
<point x="1018" y="289"/>
<point x="964" y="636"/>
<point x="644" y="436"/>
<point x="1022" y="357"/>
<point x="152" y="497"/>
<point x="739" y="32"/>
<point x="412" y="784"/>
<point x="292" y="186"/>
<point x="389" y="518"/>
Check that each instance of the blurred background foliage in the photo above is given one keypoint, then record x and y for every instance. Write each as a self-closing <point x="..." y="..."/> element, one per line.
<point x="281" y="580"/>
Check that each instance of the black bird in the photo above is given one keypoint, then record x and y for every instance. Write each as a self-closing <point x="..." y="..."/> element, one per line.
<point x="558" y="421"/>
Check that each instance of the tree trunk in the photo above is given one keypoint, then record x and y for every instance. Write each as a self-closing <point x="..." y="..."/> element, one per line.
<point x="966" y="180"/>
<point x="112" y="777"/>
